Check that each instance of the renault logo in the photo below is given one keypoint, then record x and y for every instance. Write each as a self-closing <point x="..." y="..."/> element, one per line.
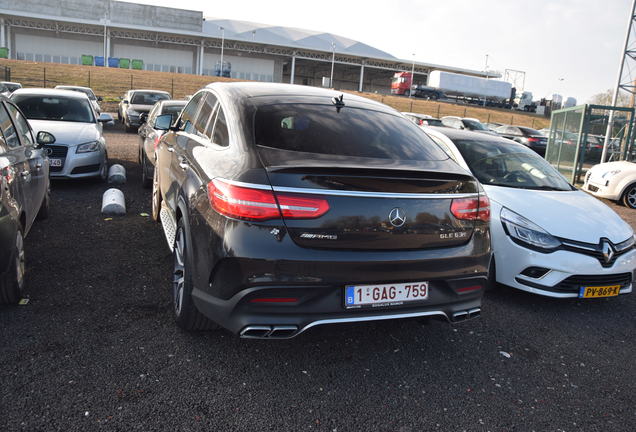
<point x="607" y="250"/>
<point x="397" y="217"/>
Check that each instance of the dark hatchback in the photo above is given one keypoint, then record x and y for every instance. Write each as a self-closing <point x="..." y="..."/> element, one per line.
<point x="24" y="194"/>
<point x="529" y="137"/>
<point x="288" y="207"/>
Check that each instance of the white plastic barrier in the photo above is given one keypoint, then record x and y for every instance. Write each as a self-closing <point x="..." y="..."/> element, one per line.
<point x="113" y="202"/>
<point x="117" y="174"/>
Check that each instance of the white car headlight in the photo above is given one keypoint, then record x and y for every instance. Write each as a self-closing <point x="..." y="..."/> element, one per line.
<point x="526" y="232"/>
<point x="88" y="147"/>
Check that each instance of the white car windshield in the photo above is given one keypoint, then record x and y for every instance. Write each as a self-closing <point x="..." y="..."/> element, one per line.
<point x="58" y="108"/>
<point x="497" y="163"/>
<point x="88" y="92"/>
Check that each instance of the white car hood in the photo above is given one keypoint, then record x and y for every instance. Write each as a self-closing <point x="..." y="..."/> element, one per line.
<point x="571" y="215"/>
<point x="611" y="166"/>
<point x="67" y="133"/>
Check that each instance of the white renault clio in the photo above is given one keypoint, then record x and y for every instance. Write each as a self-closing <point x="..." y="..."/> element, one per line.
<point x="548" y="237"/>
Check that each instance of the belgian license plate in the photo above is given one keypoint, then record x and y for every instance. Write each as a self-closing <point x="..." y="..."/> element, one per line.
<point x="599" y="291"/>
<point x="55" y="162"/>
<point x="395" y="294"/>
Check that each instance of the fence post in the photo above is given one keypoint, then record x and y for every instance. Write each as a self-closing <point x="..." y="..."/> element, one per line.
<point x="512" y="121"/>
<point x="438" y="105"/>
<point x="532" y="124"/>
<point x="464" y="112"/>
<point x="131" y="81"/>
<point x="172" y="87"/>
<point x="44" y="77"/>
<point x="488" y="121"/>
<point x="89" y="78"/>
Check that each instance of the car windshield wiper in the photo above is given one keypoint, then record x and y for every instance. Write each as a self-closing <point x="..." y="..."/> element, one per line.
<point x="549" y="188"/>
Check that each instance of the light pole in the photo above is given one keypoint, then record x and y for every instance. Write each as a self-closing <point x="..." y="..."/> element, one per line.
<point x="333" y="61"/>
<point x="222" y="43"/>
<point x="412" y="77"/>
<point x="486" y="70"/>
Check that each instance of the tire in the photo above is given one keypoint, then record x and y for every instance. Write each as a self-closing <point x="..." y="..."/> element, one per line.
<point x="12" y="286"/>
<point x="146" y="181"/>
<point x="129" y="128"/>
<point x="407" y="93"/>
<point x="103" y="174"/>
<point x="43" y="213"/>
<point x="156" y="196"/>
<point x="629" y="196"/>
<point x="186" y="315"/>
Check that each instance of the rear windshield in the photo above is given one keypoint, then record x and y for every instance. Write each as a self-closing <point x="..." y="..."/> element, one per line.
<point x="54" y="108"/>
<point x="147" y="98"/>
<point x="352" y="132"/>
<point x="474" y="125"/>
<point x="530" y="132"/>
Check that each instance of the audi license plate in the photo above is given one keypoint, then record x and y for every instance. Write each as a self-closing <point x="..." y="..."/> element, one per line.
<point x="395" y="294"/>
<point x="599" y="291"/>
<point x="55" y="162"/>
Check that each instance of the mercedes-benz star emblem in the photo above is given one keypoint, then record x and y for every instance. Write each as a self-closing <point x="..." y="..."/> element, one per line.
<point x="607" y="250"/>
<point x="397" y="217"/>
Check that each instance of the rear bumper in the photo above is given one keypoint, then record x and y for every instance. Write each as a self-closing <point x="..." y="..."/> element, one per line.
<point x="249" y="263"/>
<point x="317" y="305"/>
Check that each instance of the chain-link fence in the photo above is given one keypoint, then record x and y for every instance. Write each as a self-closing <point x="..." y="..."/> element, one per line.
<point x="112" y="83"/>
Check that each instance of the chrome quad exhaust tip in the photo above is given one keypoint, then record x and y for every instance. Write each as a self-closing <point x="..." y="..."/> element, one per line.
<point x="269" y="332"/>
<point x="466" y="314"/>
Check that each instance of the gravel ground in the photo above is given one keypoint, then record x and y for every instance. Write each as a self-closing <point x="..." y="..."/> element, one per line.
<point x="96" y="349"/>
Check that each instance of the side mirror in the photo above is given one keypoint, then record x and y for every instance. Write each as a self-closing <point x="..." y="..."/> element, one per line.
<point x="163" y="122"/>
<point x="125" y="101"/>
<point x="105" y="118"/>
<point x="43" y="138"/>
<point x="100" y="99"/>
<point x="143" y="117"/>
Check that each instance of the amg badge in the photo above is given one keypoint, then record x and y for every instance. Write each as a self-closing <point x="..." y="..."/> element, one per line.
<point x="319" y="236"/>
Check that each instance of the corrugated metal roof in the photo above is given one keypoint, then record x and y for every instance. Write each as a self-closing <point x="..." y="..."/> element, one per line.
<point x="290" y="37"/>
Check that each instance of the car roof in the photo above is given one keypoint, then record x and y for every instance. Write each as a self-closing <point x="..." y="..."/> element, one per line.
<point x="459" y="134"/>
<point x="269" y="91"/>
<point x="173" y="102"/>
<point x="50" y="92"/>
<point x="418" y="115"/>
<point x="148" y="90"/>
<point x="10" y="82"/>
<point x="62" y="87"/>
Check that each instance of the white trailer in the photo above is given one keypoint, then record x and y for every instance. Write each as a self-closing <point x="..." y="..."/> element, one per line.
<point x="466" y="86"/>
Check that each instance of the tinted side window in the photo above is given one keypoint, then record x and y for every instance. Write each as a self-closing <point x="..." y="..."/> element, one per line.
<point x="220" y="135"/>
<point x="189" y="113"/>
<point x="8" y="129"/>
<point x="205" y="116"/>
<point x="22" y="125"/>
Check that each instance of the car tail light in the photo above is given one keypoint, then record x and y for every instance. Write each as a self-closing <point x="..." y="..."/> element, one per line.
<point x="157" y="139"/>
<point x="471" y="208"/>
<point x="257" y="204"/>
<point x="420" y="122"/>
<point x="533" y="140"/>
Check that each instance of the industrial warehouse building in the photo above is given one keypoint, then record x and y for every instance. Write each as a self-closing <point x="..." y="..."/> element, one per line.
<point x="183" y="41"/>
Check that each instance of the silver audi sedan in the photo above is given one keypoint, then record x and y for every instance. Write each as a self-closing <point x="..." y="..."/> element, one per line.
<point x="80" y="149"/>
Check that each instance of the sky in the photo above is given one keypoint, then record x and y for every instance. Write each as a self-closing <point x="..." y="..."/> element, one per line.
<point x="570" y="47"/>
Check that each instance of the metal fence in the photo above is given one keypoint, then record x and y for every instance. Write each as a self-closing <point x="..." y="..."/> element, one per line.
<point x="577" y="135"/>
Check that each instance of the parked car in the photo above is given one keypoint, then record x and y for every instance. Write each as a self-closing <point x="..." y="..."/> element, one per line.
<point x="88" y="92"/>
<point x="614" y="181"/>
<point x="149" y="136"/>
<point x="423" y="119"/>
<point x="428" y="92"/>
<point x="80" y="149"/>
<point x="288" y="207"/>
<point x="136" y="102"/>
<point x="529" y="137"/>
<point x="11" y="86"/>
<point x="470" y="124"/>
<point x="24" y="194"/>
<point x="548" y="237"/>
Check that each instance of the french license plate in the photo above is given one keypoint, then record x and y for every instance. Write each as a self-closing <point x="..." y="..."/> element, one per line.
<point x="395" y="294"/>
<point x="55" y="162"/>
<point x="599" y="291"/>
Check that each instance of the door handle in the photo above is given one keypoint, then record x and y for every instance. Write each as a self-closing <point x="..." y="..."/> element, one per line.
<point x="25" y="173"/>
<point x="38" y="166"/>
<point x="170" y="149"/>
